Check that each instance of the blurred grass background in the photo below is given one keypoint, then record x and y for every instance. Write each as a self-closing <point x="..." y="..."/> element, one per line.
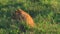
<point x="46" y="14"/>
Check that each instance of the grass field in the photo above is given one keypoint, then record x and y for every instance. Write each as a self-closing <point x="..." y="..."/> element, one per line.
<point x="45" y="13"/>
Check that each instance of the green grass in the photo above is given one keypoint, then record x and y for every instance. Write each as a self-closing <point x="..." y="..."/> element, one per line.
<point x="45" y="13"/>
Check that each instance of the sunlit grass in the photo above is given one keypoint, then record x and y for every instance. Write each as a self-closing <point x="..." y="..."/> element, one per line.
<point x="45" y="13"/>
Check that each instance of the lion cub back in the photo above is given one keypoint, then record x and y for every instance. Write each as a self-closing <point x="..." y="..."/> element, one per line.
<point x="25" y="17"/>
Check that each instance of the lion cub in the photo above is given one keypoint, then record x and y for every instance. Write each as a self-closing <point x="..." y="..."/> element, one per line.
<point x="22" y="15"/>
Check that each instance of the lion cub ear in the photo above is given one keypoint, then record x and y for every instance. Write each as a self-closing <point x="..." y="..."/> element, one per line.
<point x="17" y="11"/>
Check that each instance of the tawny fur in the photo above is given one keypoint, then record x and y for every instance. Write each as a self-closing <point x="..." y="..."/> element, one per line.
<point x="25" y="17"/>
